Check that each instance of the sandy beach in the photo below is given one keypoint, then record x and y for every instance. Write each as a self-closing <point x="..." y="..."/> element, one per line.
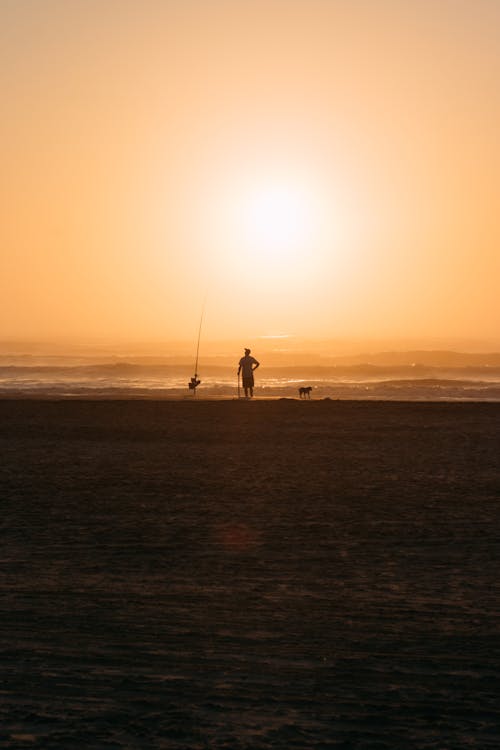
<point x="268" y="574"/>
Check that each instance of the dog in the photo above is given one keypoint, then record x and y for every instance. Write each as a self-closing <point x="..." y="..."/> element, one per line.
<point x="305" y="391"/>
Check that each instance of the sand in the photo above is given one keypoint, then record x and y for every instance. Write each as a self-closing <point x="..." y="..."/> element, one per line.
<point x="275" y="574"/>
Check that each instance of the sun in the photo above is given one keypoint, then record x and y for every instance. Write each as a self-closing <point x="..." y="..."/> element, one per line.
<point x="267" y="227"/>
<point x="277" y="221"/>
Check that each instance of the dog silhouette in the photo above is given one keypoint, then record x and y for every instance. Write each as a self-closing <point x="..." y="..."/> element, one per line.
<point x="305" y="391"/>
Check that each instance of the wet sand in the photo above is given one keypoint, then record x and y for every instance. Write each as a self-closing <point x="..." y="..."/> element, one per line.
<point x="275" y="574"/>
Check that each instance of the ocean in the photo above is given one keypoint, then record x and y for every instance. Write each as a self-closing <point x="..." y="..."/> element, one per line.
<point x="84" y="378"/>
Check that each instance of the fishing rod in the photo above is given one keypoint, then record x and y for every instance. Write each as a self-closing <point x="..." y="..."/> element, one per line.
<point x="194" y="382"/>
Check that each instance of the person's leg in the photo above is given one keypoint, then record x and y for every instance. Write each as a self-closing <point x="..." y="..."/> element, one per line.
<point x="251" y="392"/>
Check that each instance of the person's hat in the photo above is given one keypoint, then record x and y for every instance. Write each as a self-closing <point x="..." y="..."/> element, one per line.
<point x="247" y="351"/>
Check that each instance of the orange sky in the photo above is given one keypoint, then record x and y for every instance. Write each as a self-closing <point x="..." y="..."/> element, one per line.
<point x="316" y="168"/>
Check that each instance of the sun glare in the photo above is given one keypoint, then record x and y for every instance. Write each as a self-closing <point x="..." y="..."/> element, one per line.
<point x="277" y="222"/>
<point x="270" y="229"/>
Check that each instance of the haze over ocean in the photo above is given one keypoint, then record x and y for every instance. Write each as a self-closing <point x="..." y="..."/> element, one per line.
<point x="399" y="374"/>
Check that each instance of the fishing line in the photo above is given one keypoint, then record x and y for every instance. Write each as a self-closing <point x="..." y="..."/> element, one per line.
<point x="194" y="382"/>
<point x="199" y="337"/>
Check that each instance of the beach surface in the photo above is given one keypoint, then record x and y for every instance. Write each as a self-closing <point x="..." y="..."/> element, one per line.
<point x="267" y="574"/>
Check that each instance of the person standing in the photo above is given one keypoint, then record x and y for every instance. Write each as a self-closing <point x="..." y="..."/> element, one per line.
<point x="247" y="367"/>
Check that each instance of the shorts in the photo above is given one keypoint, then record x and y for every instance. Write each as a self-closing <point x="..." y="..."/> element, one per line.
<point x="248" y="381"/>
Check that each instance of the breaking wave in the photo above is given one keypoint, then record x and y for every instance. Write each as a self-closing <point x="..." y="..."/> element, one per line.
<point x="130" y="380"/>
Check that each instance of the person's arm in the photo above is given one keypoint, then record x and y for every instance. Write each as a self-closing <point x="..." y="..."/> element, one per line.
<point x="255" y="365"/>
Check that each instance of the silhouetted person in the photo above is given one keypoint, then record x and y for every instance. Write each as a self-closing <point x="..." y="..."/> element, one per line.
<point x="247" y="366"/>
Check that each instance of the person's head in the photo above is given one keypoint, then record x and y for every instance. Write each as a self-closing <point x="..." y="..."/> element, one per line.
<point x="247" y="352"/>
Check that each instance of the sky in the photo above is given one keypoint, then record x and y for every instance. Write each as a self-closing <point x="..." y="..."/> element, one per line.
<point x="309" y="168"/>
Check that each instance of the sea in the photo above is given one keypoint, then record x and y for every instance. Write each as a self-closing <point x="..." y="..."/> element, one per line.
<point x="87" y="379"/>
